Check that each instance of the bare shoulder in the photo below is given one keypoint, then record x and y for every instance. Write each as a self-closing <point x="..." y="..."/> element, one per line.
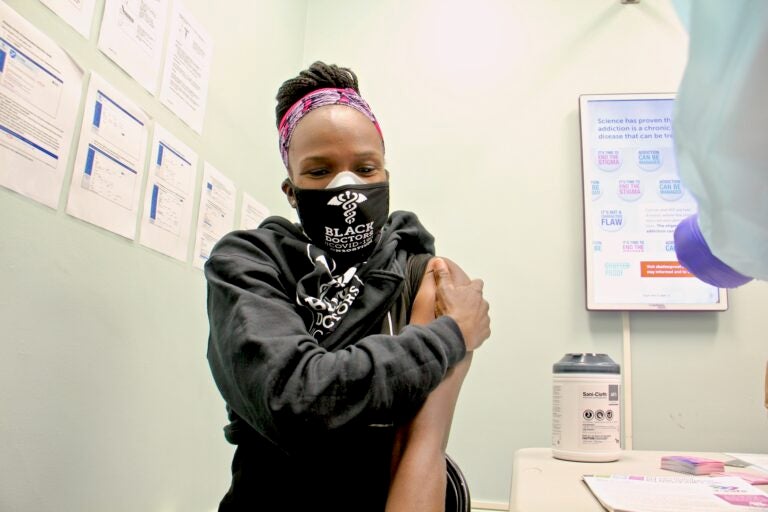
<point x="457" y="273"/>
<point x="423" y="308"/>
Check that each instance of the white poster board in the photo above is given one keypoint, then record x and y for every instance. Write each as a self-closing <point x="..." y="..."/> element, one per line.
<point x="633" y="201"/>
<point x="106" y="181"/>
<point x="39" y="95"/>
<point x="132" y="34"/>
<point x="216" y="216"/>
<point x="77" y="13"/>
<point x="252" y="212"/>
<point x="167" y="218"/>
<point x="184" y="87"/>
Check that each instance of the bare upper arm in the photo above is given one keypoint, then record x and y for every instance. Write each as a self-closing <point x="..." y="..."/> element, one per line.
<point x="423" y="308"/>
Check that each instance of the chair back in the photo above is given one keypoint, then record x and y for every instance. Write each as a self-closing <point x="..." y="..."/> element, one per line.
<point x="457" y="491"/>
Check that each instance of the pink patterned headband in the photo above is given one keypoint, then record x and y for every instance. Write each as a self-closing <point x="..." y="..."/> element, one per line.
<point x="316" y="99"/>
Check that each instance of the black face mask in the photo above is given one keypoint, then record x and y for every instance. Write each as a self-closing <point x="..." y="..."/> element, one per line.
<point x="345" y="221"/>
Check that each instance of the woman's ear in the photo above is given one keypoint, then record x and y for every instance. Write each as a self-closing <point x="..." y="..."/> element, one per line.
<point x="287" y="188"/>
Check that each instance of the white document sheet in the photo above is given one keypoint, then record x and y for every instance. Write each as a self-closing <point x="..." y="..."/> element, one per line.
<point x="77" y="13"/>
<point x="252" y="212"/>
<point x="168" y="200"/>
<point x="109" y="166"/>
<point x="758" y="461"/>
<point x="184" y="88"/>
<point x="216" y="216"/>
<point x="675" y="494"/>
<point x="132" y="34"/>
<point x="39" y="96"/>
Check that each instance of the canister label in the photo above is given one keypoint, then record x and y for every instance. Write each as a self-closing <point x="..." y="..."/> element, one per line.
<point x="586" y="416"/>
<point x="557" y="415"/>
<point x="598" y="406"/>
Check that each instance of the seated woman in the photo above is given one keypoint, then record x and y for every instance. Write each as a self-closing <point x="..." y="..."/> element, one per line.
<point x="339" y="343"/>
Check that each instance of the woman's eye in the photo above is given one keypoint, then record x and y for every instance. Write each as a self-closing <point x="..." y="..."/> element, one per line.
<point x="366" y="170"/>
<point x="318" y="173"/>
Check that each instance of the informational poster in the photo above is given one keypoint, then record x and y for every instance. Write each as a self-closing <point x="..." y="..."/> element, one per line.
<point x="184" y="89"/>
<point x="252" y="212"/>
<point x="109" y="166"/>
<point x="132" y="34"/>
<point x="77" y="13"/>
<point x="216" y="216"/>
<point x="633" y="201"/>
<point x="168" y="200"/>
<point x="40" y="91"/>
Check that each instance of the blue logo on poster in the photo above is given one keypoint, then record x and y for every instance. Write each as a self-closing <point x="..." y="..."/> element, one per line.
<point x="597" y="191"/>
<point x="670" y="189"/>
<point x="597" y="246"/>
<point x="608" y="160"/>
<point x="649" y="160"/>
<point x="611" y="219"/>
<point x="616" y="269"/>
<point x="669" y="246"/>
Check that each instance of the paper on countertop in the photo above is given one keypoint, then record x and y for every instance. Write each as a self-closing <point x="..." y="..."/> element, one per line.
<point x="751" y="478"/>
<point x="755" y="460"/>
<point x="765" y="400"/>
<point x="670" y="494"/>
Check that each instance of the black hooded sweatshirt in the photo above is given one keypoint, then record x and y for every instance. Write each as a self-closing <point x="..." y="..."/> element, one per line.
<point x="314" y="419"/>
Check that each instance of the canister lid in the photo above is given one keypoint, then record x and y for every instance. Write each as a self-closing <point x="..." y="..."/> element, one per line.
<point x="581" y="362"/>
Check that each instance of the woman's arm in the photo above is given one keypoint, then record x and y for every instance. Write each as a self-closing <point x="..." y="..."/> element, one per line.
<point x="418" y="460"/>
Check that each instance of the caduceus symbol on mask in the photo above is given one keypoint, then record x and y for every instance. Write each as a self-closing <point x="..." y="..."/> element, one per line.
<point x="348" y="200"/>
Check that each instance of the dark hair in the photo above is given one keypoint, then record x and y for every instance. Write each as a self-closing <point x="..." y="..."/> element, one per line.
<point x="317" y="76"/>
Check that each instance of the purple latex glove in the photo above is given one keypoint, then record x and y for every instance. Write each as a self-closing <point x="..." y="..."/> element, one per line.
<point x="694" y="254"/>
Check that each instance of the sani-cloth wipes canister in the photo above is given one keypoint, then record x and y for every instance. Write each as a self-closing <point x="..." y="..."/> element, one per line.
<point x="586" y="408"/>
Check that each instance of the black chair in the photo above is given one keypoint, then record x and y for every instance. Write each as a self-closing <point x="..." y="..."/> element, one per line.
<point x="457" y="490"/>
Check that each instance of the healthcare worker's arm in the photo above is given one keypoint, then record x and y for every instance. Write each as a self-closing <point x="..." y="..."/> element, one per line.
<point x="721" y="129"/>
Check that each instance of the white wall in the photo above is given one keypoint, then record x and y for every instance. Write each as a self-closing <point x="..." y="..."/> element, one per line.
<point x="478" y="102"/>
<point x="106" y="400"/>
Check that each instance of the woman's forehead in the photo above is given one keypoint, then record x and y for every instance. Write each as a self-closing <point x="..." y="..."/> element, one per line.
<point x="333" y="125"/>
